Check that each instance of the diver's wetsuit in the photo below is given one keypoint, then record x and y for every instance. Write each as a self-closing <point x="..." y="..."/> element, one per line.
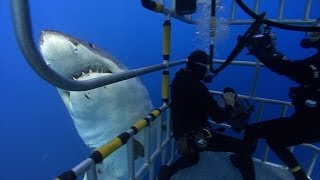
<point x="304" y="125"/>
<point x="192" y="105"/>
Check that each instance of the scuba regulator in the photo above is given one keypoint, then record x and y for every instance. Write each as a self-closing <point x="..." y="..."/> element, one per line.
<point x="312" y="39"/>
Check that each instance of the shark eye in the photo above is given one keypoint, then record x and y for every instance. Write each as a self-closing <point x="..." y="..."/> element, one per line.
<point x="90" y="45"/>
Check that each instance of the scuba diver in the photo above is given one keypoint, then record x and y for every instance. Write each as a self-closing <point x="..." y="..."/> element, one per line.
<point x="191" y="106"/>
<point x="303" y="125"/>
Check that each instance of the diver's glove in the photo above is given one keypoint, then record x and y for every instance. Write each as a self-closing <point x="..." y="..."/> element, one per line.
<point x="262" y="46"/>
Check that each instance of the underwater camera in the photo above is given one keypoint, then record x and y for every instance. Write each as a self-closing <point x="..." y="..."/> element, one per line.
<point x="184" y="7"/>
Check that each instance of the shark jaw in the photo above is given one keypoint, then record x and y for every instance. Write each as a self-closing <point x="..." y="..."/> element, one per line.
<point x="102" y="113"/>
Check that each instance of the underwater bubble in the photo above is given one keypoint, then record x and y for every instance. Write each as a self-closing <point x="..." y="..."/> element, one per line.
<point x="202" y="37"/>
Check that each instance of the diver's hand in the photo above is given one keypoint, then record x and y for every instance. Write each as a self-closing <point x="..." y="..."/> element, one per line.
<point x="229" y="98"/>
<point x="262" y="44"/>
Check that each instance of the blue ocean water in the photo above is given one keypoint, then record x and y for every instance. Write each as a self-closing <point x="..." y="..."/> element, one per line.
<point x="37" y="135"/>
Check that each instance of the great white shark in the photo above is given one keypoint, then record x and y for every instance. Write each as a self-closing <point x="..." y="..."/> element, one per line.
<point x="99" y="114"/>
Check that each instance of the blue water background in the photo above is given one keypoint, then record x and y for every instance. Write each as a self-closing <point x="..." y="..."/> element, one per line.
<point x="37" y="135"/>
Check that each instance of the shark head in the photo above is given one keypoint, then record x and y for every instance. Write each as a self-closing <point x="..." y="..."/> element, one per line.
<point x="99" y="114"/>
<point x="71" y="57"/>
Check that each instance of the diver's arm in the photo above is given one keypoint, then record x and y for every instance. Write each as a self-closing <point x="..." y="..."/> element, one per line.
<point x="300" y="71"/>
<point x="202" y="99"/>
<point x="262" y="46"/>
<point x="218" y="114"/>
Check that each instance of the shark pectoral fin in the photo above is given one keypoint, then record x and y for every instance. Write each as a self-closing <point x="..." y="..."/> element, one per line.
<point x="138" y="149"/>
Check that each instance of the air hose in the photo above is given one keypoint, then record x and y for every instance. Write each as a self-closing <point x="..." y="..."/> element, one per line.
<point x="242" y="42"/>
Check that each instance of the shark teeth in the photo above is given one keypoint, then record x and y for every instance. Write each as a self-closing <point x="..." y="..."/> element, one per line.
<point x="89" y="70"/>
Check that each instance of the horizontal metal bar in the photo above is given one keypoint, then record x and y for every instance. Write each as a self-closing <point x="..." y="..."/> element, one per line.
<point x="23" y="29"/>
<point x="174" y="15"/>
<point x="165" y="142"/>
<point x="284" y="21"/>
<point x="311" y="146"/>
<point x="155" y="155"/>
<point x="219" y="125"/>
<point x="81" y="168"/>
<point x="273" y="101"/>
<point x="240" y="63"/>
<point x="142" y="171"/>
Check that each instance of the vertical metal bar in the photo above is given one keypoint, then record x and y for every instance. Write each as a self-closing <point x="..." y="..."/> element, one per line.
<point x="284" y="110"/>
<point x="281" y="8"/>
<point x="168" y="124"/>
<point x="260" y="111"/>
<point x="130" y="150"/>
<point x="147" y="145"/>
<point x="307" y="11"/>
<point x="172" y="154"/>
<point x="312" y="163"/>
<point x="233" y="10"/>
<point x="255" y="79"/>
<point x="153" y="146"/>
<point x="256" y="6"/>
<point x="283" y="114"/>
<point x="92" y="173"/>
<point x="164" y="150"/>
<point x="212" y="31"/>
<point x="266" y="154"/>
<point x="151" y="171"/>
<point x="173" y="5"/>
<point x="168" y="132"/>
<point x="164" y="156"/>
<point x="168" y="136"/>
<point x="291" y="149"/>
<point x="148" y="153"/>
<point x="158" y="123"/>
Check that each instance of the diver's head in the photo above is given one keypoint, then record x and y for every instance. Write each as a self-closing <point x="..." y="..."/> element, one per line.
<point x="312" y="39"/>
<point x="198" y="63"/>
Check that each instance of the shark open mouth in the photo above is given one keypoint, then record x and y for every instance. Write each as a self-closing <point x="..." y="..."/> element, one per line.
<point x="90" y="70"/>
<point x="76" y="59"/>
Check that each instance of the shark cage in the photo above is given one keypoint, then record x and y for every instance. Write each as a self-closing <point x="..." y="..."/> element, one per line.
<point x="161" y="144"/>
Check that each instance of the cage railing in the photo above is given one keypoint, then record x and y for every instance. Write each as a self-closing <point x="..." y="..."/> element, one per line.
<point x="262" y="102"/>
<point x="21" y="7"/>
<point x="304" y="20"/>
<point x="284" y="105"/>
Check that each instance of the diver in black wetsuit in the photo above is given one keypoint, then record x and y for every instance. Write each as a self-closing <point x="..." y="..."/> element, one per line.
<point x="304" y="124"/>
<point x="192" y="105"/>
